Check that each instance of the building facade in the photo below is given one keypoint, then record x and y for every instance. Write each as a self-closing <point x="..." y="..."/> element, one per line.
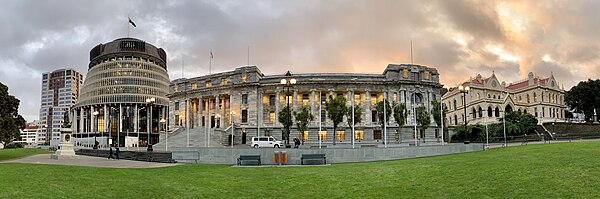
<point x="60" y="91"/>
<point x="488" y="100"/>
<point x="123" y="98"/>
<point x="253" y="100"/>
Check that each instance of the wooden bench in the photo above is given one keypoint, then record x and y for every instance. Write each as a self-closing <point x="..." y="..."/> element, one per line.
<point x="249" y="160"/>
<point x="313" y="157"/>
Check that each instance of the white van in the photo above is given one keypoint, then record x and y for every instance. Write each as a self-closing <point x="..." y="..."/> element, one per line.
<point x="265" y="141"/>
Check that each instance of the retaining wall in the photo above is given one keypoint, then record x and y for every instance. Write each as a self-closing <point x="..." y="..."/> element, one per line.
<point x="333" y="155"/>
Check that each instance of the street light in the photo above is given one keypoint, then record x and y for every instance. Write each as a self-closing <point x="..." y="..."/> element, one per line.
<point x="287" y="83"/>
<point x="464" y="90"/>
<point x="150" y="102"/>
<point x="163" y="121"/>
<point x="231" y="120"/>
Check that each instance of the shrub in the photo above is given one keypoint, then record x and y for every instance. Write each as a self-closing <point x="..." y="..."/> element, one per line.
<point x="14" y="145"/>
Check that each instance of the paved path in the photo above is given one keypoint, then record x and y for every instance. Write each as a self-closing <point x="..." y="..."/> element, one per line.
<point x="498" y="145"/>
<point x="89" y="161"/>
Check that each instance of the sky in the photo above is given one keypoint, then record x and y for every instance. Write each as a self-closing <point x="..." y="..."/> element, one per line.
<point x="461" y="38"/>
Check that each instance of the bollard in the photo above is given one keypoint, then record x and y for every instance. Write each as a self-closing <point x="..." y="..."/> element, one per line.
<point x="283" y="157"/>
<point x="276" y="157"/>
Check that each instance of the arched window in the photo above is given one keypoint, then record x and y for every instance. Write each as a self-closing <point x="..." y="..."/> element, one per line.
<point x="454" y="104"/>
<point x="455" y="120"/>
<point x="480" y="112"/>
<point x="478" y="96"/>
<point x="474" y="113"/>
<point x="528" y="101"/>
<point x="534" y="97"/>
<point x="489" y="111"/>
<point x="497" y="112"/>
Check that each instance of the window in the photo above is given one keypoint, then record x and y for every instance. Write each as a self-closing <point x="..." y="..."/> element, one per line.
<point x="373" y="99"/>
<point x="272" y="117"/>
<point x="478" y="96"/>
<point x="323" y="116"/>
<point x="176" y="106"/>
<point x="377" y="134"/>
<point x="359" y="135"/>
<point x="176" y="88"/>
<point x="534" y="97"/>
<point x="323" y="135"/>
<point x="305" y="99"/>
<point x="405" y="73"/>
<point x="244" y="116"/>
<point x="323" y="98"/>
<point x="208" y="84"/>
<point x="244" y="76"/>
<point x="426" y="75"/>
<point x="357" y="100"/>
<point x="223" y="81"/>
<point x="396" y="97"/>
<point x="244" y="98"/>
<point x="340" y="135"/>
<point x="194" y="86"/>
<point x="528" y="98"/>
<point x="271" y="100"/>
<point x="305" y="135"/>
<point x="373" y="116"/>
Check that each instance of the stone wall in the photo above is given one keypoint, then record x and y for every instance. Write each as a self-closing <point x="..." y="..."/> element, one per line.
<point x="333" y="155"/>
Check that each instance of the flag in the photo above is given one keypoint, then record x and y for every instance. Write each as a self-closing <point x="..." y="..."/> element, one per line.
<point x="211" y="55"/>
<point x="131" y="22"/>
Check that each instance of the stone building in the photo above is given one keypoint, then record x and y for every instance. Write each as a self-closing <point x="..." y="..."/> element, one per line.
<point x="253" y="100"/>
<point x="488" y="100"/>
<point x="116" y="103"/>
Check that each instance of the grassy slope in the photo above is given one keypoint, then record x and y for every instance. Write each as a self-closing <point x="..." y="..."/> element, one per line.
<point x="564" y="170"/>
<point x="7" y="154"/>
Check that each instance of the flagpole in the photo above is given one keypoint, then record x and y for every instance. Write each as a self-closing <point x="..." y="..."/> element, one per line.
<point x="210" y="63"/>
<point x="127" y="25"/>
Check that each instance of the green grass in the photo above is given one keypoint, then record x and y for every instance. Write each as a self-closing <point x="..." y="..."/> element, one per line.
<point x="558" y="170"/>
<point x="7" y="154"/>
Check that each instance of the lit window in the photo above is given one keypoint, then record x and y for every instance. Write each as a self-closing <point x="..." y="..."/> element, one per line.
<point x="208" y="84"/>
<point x="359" y="135"/>
<point x="373" y="99"/>
<point x="305" y="135"/>
<point x="272" y="117"/>
<point x="426" y="73"/>
<point x="244" y="77"/>
<point x="340" y="135"/>
<point x="223" y="81"/>
<point x="357" y="99"/>
<point x="323" y="135"/>
<point x="305" y="99"/>
<point x="405" y="73"/>
<point x="194" y="85"/>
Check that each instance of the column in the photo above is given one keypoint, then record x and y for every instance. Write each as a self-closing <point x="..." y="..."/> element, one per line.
<point x="135" y="121"/>
<point x="120" y="118"/>
<point x="367" y="111"/>
<point x="295" y="100"/>
<point x="106" y="120"/>
<point x="217" y="110"/>
<point x="277" y="101"/>
<point x="259" y="112"/>
<point x="409" y="104"/>
<point x="80" y="120"/>
<point x="93" y="125"/>
<point x="312" y="105"/>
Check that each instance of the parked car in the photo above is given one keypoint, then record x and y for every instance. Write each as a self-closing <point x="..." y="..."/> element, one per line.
<point x="265" y="141"/>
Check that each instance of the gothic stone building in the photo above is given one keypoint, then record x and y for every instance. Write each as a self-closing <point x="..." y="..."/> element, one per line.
<point x="253" y="100"/>
<point x="488" y="100"/>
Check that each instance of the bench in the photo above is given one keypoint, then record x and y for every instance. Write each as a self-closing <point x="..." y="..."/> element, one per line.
<point x="313" y="157"/>
<point x="368" y="146"/>
<point x="182" y="155"/>
<point x="249" y="160"/>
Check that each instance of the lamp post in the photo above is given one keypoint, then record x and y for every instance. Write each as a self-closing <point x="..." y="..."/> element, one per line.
<point x="163" y="121"/>
<point x="287" y="83"/>
<point x="95" y="124"/>
<point x="150" y="102"/>
<point x="464" y="90"/>
<point x="231" y="120"/>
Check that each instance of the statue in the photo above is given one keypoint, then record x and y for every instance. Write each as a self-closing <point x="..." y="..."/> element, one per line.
<point x="66" y="120"/>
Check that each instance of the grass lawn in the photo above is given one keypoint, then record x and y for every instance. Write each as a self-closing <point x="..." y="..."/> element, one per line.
<point x="558" y="170"/>
<point x="7" y="154"/>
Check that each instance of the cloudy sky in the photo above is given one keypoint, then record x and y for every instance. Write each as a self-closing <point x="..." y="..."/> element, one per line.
<point x="460" y="38"/>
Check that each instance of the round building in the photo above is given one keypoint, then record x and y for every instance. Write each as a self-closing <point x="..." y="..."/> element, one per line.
<point x="123" y="99"/>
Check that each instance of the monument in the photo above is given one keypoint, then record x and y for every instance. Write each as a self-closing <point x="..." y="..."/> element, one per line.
<point x="65" y="148"/>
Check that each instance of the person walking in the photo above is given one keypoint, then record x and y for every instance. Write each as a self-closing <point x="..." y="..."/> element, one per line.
<point x="296" y="142"/>
<point x="110" y="153"/>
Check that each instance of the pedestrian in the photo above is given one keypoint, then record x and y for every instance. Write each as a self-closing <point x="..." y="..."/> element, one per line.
<point x="296" y="142"/>
<point x="117" y="153"/>
<point x="110" y="153"/>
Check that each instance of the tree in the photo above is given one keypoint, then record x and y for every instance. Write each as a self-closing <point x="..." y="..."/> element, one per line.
<point x="303" y="118"/>
<point x="436" y="111"/>
<point x="10" y="120"/>
<point x="336" y="109"/>
<point x="585" y="97"/>
<point x="399" y="111"/>
<point x="285" y="118"/>
<point x="388" y="112"/>
<point x="357" y="115"/>
<point x="423" y="119"/>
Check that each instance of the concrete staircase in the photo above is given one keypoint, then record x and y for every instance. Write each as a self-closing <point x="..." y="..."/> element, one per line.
<point x="197" y="138"/>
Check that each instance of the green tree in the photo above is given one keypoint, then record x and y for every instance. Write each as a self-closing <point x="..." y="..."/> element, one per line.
<point x="435" y="112"/>
<point x="423" y="119"/>
<point x="303" y="118"/>
<point x="518" y="123"/>
<point x="400" y="114"/>
<point x="357" y="115"/>
<point x="388" y="112"/>
<point x="336" y="109"/>
<point x="285" y="118"/>
<point x="10" y="120"/>
<point x="585" y="97"/>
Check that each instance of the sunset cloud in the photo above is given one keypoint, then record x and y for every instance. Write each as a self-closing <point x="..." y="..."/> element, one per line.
<point x="460" y="37"/>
